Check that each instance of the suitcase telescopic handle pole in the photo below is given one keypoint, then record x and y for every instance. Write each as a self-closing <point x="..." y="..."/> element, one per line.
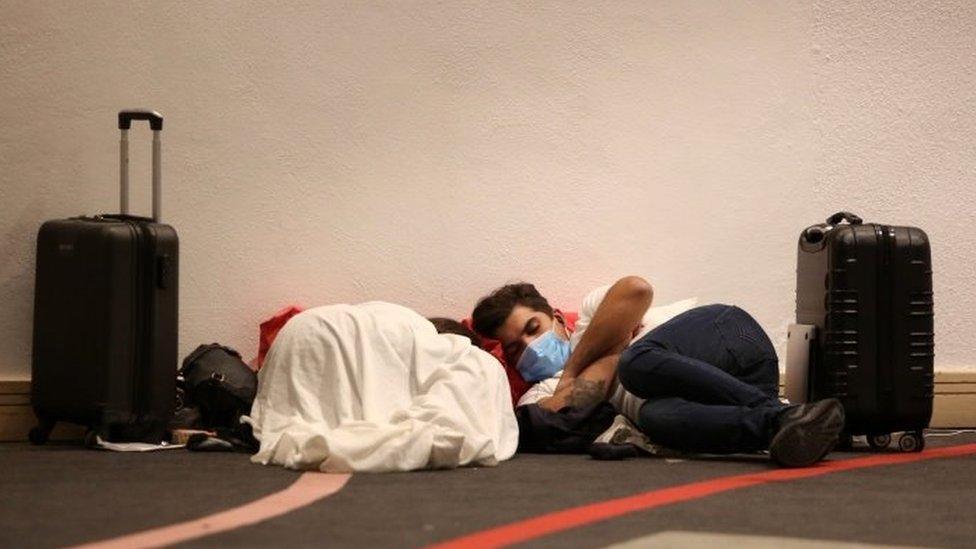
<point x="156" y="125"/>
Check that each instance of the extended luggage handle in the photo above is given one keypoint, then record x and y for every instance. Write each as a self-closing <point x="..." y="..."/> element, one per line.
<point x="127" y="116"/>
<point x="844" y="216"/>
<point x="156" y="125"/>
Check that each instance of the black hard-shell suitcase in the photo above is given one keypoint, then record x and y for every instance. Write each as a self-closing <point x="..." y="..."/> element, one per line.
<point x="105" y="317"/>
<point x="868" y="290"/>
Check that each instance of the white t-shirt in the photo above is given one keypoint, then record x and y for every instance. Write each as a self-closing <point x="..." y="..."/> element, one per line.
<point x="624" y="402"/>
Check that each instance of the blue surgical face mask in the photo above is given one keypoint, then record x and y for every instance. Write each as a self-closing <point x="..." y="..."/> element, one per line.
<point x="543" y="358"/>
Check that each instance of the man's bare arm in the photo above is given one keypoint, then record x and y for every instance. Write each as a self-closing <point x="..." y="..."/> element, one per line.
<point x="592" y="386"/>
<point x="613" y="325"/>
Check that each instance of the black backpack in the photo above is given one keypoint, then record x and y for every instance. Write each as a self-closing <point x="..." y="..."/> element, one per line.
<point x="218" y="383"/>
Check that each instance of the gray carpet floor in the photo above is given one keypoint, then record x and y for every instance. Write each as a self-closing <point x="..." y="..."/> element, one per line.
<point x="59" y="495"/>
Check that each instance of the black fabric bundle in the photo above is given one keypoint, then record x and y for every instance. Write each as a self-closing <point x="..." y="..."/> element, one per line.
<point x="568" y="431"/>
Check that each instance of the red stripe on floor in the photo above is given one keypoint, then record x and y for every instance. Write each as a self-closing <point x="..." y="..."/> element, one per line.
<point x="566" y="519"/>
<point x="309" y="487"/>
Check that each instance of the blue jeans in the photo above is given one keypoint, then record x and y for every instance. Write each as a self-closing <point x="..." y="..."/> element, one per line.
<point x="711" y="380"/>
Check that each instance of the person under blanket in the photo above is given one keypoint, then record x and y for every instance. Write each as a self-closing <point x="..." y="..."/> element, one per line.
<point x="450" y="326"/>
<point x="374" y="387"/>
<point x="704" y="381"/>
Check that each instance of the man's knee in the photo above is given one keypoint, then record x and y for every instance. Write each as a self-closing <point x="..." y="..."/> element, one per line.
<point x="635" y="364"/>
<point x="764" y="376"/>
<point x="625" y="366"/>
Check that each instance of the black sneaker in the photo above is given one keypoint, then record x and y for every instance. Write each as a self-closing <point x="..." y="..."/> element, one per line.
<point x="607" y="451"/>
<point x="807" y="433"/>
<point x="624" y="440"/>
<point x="621" y="440"/>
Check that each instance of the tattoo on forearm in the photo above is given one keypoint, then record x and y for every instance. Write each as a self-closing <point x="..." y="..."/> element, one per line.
<point x="586" y="392"/>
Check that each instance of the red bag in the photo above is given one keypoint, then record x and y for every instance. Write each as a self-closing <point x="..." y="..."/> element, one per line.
<point x="269" y="331"/>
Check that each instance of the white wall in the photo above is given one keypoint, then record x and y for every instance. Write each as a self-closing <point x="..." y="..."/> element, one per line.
<point x="427" y="152"/>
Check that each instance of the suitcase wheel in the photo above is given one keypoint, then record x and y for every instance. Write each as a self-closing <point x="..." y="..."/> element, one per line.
<point x="39" y="435"/>
<point x="846" y="442"/>
<point x="879" y="442"/>
<point x="91" y="438"/>
<point x="911" y="442"/>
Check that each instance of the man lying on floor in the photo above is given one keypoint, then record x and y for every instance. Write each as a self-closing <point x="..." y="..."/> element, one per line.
<point x="375" y="387"/>
<point x="705" y="381"/>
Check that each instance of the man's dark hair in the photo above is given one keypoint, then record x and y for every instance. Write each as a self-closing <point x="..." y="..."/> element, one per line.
<point x="451" y="326"/>
<point x="493" y="309"/>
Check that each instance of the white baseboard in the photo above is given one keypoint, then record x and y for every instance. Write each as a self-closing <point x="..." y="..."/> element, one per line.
<point x="955" y="400"/>
<point x="955" y="407"/>
<point x="17" y="417"/>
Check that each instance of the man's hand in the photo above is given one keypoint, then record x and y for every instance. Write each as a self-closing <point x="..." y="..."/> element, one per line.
<point x="577" y="393"/>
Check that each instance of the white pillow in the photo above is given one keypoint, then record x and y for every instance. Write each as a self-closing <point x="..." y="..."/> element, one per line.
<point x="656" y="316"/>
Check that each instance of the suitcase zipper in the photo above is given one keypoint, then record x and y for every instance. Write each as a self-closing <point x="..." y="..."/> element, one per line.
<point x="140" y="322"/>
<point x="143" y="320"/>
<point x="147" y="290"/>
<point x="883" y="291"/>
<point x="150" y="341"/>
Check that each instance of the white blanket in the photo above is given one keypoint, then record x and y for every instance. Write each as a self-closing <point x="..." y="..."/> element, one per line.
<point x="374" y="387"/>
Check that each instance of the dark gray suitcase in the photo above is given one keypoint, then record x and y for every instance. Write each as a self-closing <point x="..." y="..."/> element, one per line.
<point x="868" y="290"/>
<point x="105" y="317"/>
